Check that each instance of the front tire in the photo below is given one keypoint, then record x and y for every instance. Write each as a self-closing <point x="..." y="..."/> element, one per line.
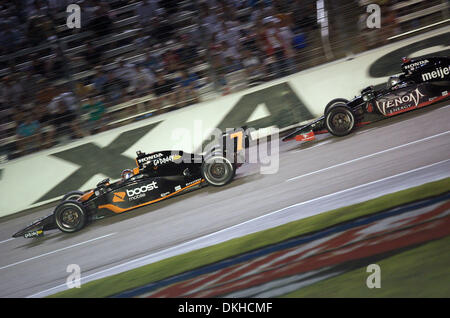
<point x="340" y="120"/>
<point x="335" y="102"/>
<point x="70" y="216"/>
<point x="217" y="170"/>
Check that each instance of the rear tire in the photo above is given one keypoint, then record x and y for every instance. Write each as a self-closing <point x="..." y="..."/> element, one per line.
<point x="340" y="120"/>
<point x="70" y="216"/>
<point x="72" y="195"/>
<point x="217" y="170"/>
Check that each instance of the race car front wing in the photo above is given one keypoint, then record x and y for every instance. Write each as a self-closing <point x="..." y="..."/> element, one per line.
<point x="38" y="227"/>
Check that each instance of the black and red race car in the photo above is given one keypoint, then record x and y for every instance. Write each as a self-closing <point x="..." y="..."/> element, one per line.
<point x="157" y="176"/>
<point x="424" y="81"/>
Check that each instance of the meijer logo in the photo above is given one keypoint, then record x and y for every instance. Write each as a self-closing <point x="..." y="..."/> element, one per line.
<point x="440" y="72"/>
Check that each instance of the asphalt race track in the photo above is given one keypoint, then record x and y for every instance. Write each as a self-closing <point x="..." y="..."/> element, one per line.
<point x="387" y="156"/>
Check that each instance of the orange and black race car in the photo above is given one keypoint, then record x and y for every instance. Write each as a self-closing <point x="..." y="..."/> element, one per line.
<point x="158" y="176"/>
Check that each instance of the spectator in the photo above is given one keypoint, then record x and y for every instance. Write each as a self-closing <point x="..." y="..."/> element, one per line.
<point x="10" y="38"/>
<point x="30" y="86"/>
<point x="64" y="94"/>
<point x="219" y="70"/>
<point x="5" y="91"/>
<point x="69" y="97"/>
<point x="287" y="38"/>
<point x="162" y="31"/>
<point x="124" y="73"/>
<point x="163" y="89"/>
<point x="231" y="57"/>
<point x="142" y="40"/>
<point x="101" y="23"/>
<point x="46" y="124"/>
<point x="88" y="8"/>
<point x="146" y="10"/>
<point x="209" y="19"/>
<point x="38" y="66"/>
<point x="170" y="6"/>
<point x="260" y="11"/>
<point x="45" y="92"/>
<point x="389" y="24"/>
<point x="368" y="37"/>
<point x="100" y="79"/>
<point x="303" y="16"/>
<point x="171" y="61"/>
<point x="96" y="111"/>
<point x="92" y="55"/>
<point x="56" y="5"/>
<point x="66" y="119"/>
<point x="188" y="51"/>
<point x="215" y="46"/>
<point x="143" y="81"/>
<point x="57" y="64"/>
<point x="229" y="35"/>
<point x="13" y="90"/>
<point x="152" y="61"/>
<point x="82" y="91"/>
<point x="38" y="8"/>
<point x="188" y="88"/>
<point x="249" y="39"/>
<point x="27" y="133"/>
<point x="113" y="87"/>
<point x="35" y="31"/>
<point x="48" y="28"/>
<point x="252" y="64"/>
<point x="273" y="44"/>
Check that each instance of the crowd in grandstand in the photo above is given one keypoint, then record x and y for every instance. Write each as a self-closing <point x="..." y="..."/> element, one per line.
<point x="59" y="83"/>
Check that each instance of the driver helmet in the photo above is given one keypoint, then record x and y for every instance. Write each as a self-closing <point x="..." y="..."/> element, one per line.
<point x="126" y="174"/>
<point x="393" y="81"/>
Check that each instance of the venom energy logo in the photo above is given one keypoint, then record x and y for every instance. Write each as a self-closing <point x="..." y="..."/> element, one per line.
<point x="139" y="192"/>
<point x="406" y="101"/>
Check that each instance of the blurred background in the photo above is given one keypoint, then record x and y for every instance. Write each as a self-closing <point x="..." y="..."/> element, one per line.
<point x="134" y="59"/>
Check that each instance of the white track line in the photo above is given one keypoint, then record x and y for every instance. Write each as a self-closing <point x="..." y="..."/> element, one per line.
<point x="7" y="240"/>
<point x="368" y="156"/>
<point x="126" y="265"/>
<point x="312" y="147"/>
<point x="56" y="251"/>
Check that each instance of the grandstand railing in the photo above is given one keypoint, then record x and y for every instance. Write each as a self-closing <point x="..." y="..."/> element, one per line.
<point x="342" y="21"/>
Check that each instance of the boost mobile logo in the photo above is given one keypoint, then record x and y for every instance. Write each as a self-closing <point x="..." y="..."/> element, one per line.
<point x="139" y="192"/>
<point x="119" y="196"/>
